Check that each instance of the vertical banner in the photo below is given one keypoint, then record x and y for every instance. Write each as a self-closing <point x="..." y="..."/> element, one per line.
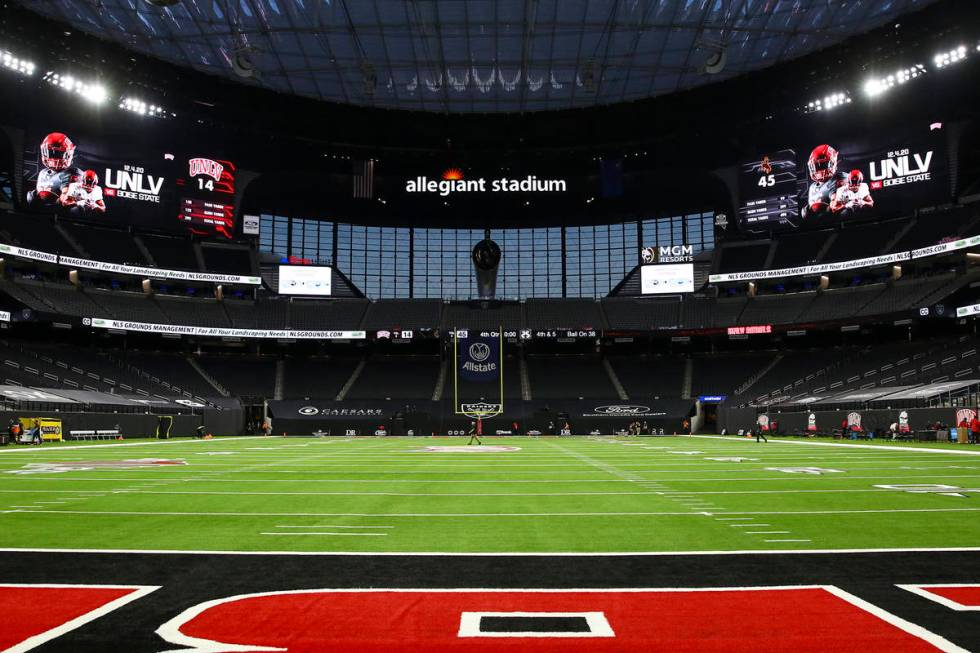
<point x="478" y="359"/>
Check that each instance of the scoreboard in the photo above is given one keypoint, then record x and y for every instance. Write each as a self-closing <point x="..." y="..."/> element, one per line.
<point x="207" y="203"/>
<point x="769" y="189"/>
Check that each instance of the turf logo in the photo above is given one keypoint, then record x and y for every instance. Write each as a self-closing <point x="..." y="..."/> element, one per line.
<point x="482" y="448"/>
<point x="89" y="465"/>
<point x="804" y="470"/>
<point x="932" y="488"/>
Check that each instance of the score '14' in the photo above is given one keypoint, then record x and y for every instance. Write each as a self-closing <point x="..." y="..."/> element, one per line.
<point x="205" y="184"/>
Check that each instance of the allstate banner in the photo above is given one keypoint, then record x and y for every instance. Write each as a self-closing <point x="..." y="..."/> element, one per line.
<point x="478" y="358"/>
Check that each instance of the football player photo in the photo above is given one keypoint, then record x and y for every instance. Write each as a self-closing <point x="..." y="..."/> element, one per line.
<point x="825" y="180"/>
<point x="852" y="196"/>
<point x="83" y="197"/>
<point x="766" y="165"/>
<point x="57" y="173"/>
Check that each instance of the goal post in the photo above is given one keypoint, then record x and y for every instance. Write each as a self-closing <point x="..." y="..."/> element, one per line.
<point x="478" y="373"/>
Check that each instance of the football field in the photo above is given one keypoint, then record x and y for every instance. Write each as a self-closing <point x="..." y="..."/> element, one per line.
<point x="520" y="495"/>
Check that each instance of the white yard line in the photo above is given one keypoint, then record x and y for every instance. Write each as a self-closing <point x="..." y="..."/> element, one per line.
<point x="331" y="526"/>
<point x="334" y="534"/>
<point x="766" y="532"/>
<point x="787" y="540"/>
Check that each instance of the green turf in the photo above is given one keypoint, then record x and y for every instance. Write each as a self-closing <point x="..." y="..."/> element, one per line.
<point x="553" y="495"/>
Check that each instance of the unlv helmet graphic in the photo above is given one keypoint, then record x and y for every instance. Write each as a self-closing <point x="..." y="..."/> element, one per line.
<point x="855" y="179"/>
<point x="823" y="163"/>
<point x="57" y="151"/>
<point x="89" y="179"/>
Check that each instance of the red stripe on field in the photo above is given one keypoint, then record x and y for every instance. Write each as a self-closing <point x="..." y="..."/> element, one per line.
<point x="967" y="596"/>
<point x="29" y="611"/>
<point x="804" y="620"/>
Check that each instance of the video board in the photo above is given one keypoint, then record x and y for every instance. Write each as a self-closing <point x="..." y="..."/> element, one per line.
<point x="667" y="279"/>
<point x="305" y="280"/>
<point x="72" y="172"/>
<point x="825" y="179"/>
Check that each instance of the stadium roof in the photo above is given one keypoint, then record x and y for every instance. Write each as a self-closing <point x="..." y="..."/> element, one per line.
<point x="476" y="55"/>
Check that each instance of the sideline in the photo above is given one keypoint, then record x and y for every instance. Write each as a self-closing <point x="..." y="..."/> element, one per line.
<point x="484" y="554"/>
<point x="881" y="447"/>
<point x="48" y="450"/>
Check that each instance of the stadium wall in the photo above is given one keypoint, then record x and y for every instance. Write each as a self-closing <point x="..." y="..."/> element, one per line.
<point x="828" y="420"/>
<point x="132" y="426"/>
<point x="425" y="417"/>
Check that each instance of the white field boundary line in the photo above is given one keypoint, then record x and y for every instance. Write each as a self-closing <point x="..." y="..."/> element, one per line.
<point x="923" y="590"/>
<point x="204" y="479"/>
<point x="376" y="452"/>
<point x="694" y="468"/>
<point x="880" y="447"/>
<point x="492" y="554"/>
<point x="480" y="515"/>
<point x="674" y="474"/>
<point x="49" y="450"/>
<point x="894" y="453"/>
<point x="365" y="494"/>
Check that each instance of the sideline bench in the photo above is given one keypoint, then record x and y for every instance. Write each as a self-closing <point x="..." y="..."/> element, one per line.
<point x="108" y="434"/>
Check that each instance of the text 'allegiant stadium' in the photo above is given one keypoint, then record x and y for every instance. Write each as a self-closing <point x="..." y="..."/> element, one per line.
<point x="445" y="187"/>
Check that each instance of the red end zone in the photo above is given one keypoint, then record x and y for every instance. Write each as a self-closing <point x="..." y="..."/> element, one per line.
<point x="748" y="620"/>
<point x="33" y="614"/>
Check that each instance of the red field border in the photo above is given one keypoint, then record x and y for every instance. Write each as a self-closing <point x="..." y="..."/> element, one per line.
<point x="962" y="597"/>
<point x="798" y="619"/>
<point x="33" y="614"/>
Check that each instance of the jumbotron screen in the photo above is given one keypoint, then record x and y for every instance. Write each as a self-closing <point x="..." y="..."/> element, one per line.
<point x="667" y="279"/>
<point x="824" y="180"/>
<point x="71" y="172"/>
<point x="305" y="280"/>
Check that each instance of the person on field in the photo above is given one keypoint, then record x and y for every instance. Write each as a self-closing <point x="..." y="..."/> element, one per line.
<point x="760" y="434"/>
<point x="35" y="433"/>
<point x="476" y="430"/>
<point x="975" y="429"/>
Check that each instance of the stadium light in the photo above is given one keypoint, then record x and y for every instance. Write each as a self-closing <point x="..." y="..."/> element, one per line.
<point x="878" y="85"/>
<point x="16" y="64"/>
<point x="94" y="93"/>
<point x="828" y="102"/>
<point x="140" y="107"/>
<point x="944" y="59"/>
